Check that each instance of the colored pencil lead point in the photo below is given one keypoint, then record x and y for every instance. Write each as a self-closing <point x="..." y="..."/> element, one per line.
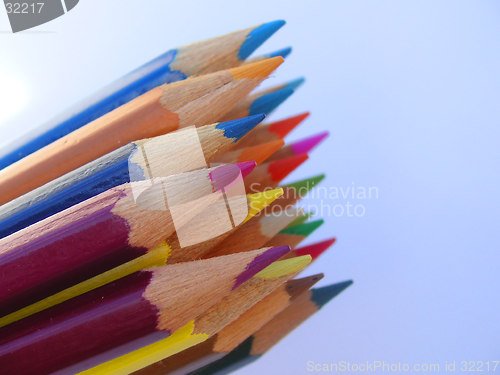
<point x="258" y="201"/>
<point x="304" y="186"/>
<point x="283" y="127"/>
<point x="300" y="220"/>
<point x="260" y="152"/>
<point x="226" y="174"/>
<point x="316" y="249"/>
<point x="285" y="267"/>
<point x="296" y="287"/>
<point x="296" y="83"/>
<point x="246" y="167"/>
<point x="260" y="262"/>
<point x="279" y="169"/>
<point x="238" y="128"/>
<point x="258" y="36"/>
<point x="306" y="145"/>
<point x="269" y="102"/>
<point x="304" y="229"/>
<point x="260" y="69"/>
<point x="284" y="52"/>
<point x="321" y="296"/>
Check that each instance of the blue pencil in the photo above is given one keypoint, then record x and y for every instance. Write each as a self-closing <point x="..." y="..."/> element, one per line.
<point x="264" y="101"/>
<point x="177" y="64"/>
<point x="111" y="170"/>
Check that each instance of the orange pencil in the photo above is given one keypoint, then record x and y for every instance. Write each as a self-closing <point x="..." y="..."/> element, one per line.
<point x="194" y="101"/>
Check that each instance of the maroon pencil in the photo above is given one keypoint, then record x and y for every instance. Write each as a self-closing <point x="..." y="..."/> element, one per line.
<point x="125" y="315"/>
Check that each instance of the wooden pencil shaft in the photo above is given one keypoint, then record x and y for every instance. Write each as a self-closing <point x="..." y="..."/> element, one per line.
<point x="199" y="101"/>
<point x="92" y="237"/>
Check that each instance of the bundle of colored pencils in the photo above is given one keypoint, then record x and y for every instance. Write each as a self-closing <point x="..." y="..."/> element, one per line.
<point x="148" y="230"/>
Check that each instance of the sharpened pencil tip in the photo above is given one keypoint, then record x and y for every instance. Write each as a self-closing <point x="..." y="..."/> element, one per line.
<point x="306" y="145"/>
<point x="284" y="52"/>
<point x="321" y="296"/>
<point x="296" y="83"/>
<point x="224" y="175"/>
<point x="283" y="127"/>
<point x="260" y="69"/>
<point x="285" y="267"/>
<point x="279" y="169"/>
<point x="296" y="287"/>
<point x="260" y="262"/>
<point x="261" y="152"/>
<point x="238" y="128"/>
<point x="304" y="229"/>
<point x="258" y="201"/>
<point x="316" y="249"/>
<point x="300" y="220"/>
<point x="269" y="102"/>
<point x="304" y="186"/>
<point x="257" y="36"/>
<point x="246" y="167"/>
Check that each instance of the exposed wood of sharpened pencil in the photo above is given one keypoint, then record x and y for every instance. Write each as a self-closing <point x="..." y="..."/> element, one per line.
<point x="255" y="233"/>
<point x="259" y="153"/>
<point x="301" y="309"/>
<point x="293" y="236"/>
<point x="264" y="101"/>
<point x="293" y="192"/>
<point x="132" y="312"/>
<point x="303" y="146"/>
<point x="270" y="174"/>
<point x="256" y="203"/>
<point x="270" y="132"/>
<point x="98" y="234"/>
<point x="159" y="157"/>
<point x="203" y="57"/>
<point x="283" y="52"/>
<point x="195" y="101"/>
<point x="300" y="220"/>
<point x="213" y="320"/>
<point x="167" y="252"/>
<point x="233" y="334"/>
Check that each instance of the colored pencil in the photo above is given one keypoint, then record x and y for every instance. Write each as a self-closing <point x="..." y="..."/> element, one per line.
<point x="270" y="132"/>
<point x="234" y="333"/>
<point x="259" y="153"/>
<point x="264" y="101"/>
<point x="165" y="253"/>
<point x="303" y="146"/>
<point x="97" y="235"/>
<point x="208" y="56"/>
<point x="270" y="174"/>
<point x="314" y="250"/>
<point x="283" y="52"/>
<point x="302" y="308"/>
<point x="115" y="168"/>
<point x="301" y="219"/>
<point x="292" y="236"/>
<point x="127" y="314"/>
<point x="178" y="253"/>
<point x="258" y="231"/>
<point x="195" y="101"/>
<point x="212" y="321"/>
<point x="293" y="192"/>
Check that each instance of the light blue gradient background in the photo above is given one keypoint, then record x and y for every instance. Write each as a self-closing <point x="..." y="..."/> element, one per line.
<point x="410" y="93"/>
